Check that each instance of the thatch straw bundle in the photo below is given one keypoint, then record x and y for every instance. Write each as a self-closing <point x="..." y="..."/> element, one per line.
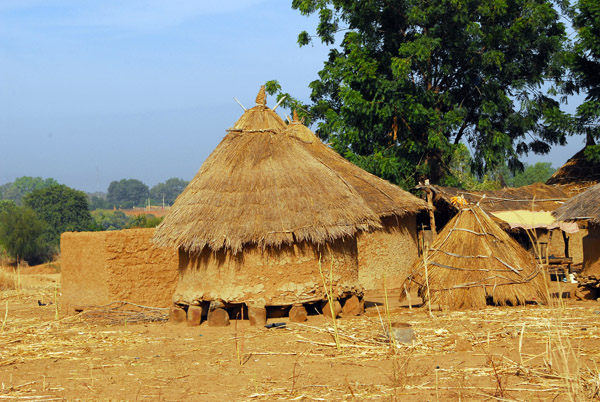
<point x="584" y="206"/>
<point x="472" y="260"/>
<point x="384" y="198"/>
<point x="260" y="186"/>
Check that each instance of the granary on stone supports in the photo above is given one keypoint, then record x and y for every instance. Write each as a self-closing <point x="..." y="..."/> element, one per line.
<point x="267" y="223"/>
<point x="585" y="209"/>
<point x="472" y="263"/>
<point x="385" y="254"/>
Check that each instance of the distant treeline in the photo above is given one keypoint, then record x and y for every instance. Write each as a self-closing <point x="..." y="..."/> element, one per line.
<point x="129" y="193"/>
<point x="34" y="212"/>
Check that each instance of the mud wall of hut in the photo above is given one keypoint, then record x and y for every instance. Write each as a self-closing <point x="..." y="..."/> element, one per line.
<point x="269" y="277"/>
<point x="556" y="246"/>
<point x="591" y="251"/>
<point x="102" y="267"/>
<point x="388" y="253"/>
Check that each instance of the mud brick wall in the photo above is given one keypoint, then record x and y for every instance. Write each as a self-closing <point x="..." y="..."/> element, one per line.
<point x="591" y="251"/>
<point x="389" y="252"/>
<point x="101" y="267"/>
<point x="556" y="246"/>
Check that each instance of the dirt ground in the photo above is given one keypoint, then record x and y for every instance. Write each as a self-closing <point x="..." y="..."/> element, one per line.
<point x="528" y="353"/>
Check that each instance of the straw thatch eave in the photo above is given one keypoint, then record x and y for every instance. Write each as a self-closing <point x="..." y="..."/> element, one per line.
<point x="471" y="260"/>
<point x="262" y="187"/>
<point x="584" y="206"/>
<point x="534" y="197"/>
<point x="383" y="197"/>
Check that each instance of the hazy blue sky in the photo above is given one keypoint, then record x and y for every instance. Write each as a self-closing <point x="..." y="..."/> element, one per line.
<point x="100" y="90"/>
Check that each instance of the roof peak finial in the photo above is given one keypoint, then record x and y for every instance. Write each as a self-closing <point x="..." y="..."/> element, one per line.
<point x="295" y="116"/>
<point x="261" y="98"/>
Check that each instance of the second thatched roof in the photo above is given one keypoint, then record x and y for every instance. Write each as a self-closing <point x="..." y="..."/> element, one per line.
<point x="533" y="197"/>
<point x="584" y="206"/>
<point x="383" y="197"/>
<point x="473" y="260"/>
<point x="262" y="186"/>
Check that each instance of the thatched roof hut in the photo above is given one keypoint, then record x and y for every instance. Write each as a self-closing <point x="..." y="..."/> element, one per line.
<point x="577" y="174"/>
<point x="473" y="261"/>
<point x="385" y="253"/>
<point x="584" y="206"/>
<point x="264" y="213"/>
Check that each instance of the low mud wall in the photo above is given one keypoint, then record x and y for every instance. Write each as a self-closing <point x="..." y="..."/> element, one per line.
<point x="387" y="253"/>
<point x="98" y="268"/>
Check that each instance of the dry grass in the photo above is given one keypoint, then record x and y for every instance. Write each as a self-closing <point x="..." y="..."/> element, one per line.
<point x="496" y="353"/>
<point x="7" y="280"/>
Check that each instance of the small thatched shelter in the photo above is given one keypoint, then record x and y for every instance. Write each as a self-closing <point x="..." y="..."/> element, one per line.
<point x="473" y="262"/>
<point x="585" y="207"/>
<point x="509" y="207"/>
<point x="387" y="253"/>
<point x="262" y="217"/>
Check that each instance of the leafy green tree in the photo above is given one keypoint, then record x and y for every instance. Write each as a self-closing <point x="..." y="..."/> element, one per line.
<point x="538" y="173"/>
<point x="144" y="221"/>
<point x="21" y="234"/>
<point x="127" y="193"/>
<point x="98" y="201"/>
<point x="16" y="190"/>
<point x="110" y="220"/>
<point x="584" y="63"/>
<point x="62" y="208"/>
<point x="6" y="205"/>
<point x="170" y="190"/>
<point x="411" y="80"/>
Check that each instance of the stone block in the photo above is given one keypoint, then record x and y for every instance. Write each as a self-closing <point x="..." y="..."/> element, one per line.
<point x="337" y="307"/>
<point x="177" y="314"/>
<point x="257" y="316"/>
<point x="194" y="316"/>
<point x="403" y="332"/>
<point x="218" y="318"/>
<point x="298" y="313"/>
<point x="353" y="307"/>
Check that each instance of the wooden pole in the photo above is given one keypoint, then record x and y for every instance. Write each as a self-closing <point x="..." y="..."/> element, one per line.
<point x="429" y="193"/>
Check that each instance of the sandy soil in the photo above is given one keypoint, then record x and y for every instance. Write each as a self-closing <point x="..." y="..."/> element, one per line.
<point x="528" y="353"/>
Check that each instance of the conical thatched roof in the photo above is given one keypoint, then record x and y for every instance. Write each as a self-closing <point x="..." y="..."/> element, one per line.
<point x="584" y="206"/>
<point x="260" y="186"/>
<point x="383" y="197"/>
<point x="473" y="259"/>
<point x="576" y="174"/>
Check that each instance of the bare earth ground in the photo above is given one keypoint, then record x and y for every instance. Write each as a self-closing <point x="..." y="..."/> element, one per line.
<point x="528" y="353"/>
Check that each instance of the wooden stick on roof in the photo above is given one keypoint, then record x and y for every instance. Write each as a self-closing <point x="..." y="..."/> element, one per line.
<point x="240" y="103"/>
